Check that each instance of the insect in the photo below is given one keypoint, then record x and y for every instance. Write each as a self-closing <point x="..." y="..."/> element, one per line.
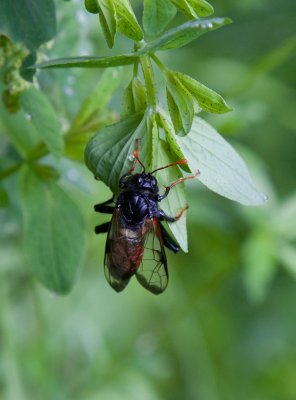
<point x="136" y="235"/>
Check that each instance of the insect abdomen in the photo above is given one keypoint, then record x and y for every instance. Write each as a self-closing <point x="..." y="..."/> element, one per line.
<point x="126" y="253"/>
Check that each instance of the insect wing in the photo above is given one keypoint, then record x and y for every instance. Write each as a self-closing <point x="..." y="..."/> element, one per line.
<point x="152" y="273"/>
<point x="117" y="282"/>
<point x="124" y="251"/>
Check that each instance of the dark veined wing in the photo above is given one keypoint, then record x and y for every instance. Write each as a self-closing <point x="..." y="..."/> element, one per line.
<point x="152" y="273"/>
<point x="123" y="252"/>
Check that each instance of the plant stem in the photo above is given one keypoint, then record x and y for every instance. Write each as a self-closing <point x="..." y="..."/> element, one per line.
<point x="158" y="63"/>
<point x="149" y="81"/>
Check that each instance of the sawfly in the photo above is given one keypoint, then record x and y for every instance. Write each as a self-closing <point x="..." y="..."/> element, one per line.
<point x="136" y="236"/>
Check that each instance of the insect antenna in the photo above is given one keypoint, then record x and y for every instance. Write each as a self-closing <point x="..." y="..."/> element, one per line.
<point x="135" y="154"/>
<point x="179" y="162"/>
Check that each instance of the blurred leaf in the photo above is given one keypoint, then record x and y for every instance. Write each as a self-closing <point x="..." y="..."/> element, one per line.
<point x="46" y="172"/>
<point x="27" y="22"/>
<point x="25" y="72"/>
<point x="44" y="119"/>
<point x="108" y="20"/>
<point x="4" y="199"/>
<point x="92" y="6"/>
<point x="260" y="263"/>
<point x="89" y="62"/>
<point x="184" y="34"/>
<point x="126" y="20"/>
<point x="134" y="98"/>
<point x="208" y="100"/>
<point x="107" y="153"/>
<point x="157" y="15"/>
<point x="194" y="8"/>
<point x="75" y="146"/>
<point x="98" y="98"/>
<point x="287" y="255"/>
<point x="176" y="199"/>
<point x="180" y="104"/>
<point x="21" y="132"/>
<point x="54" y="233"/>
<point x="221" y="168"/>
<point x="284" y="219"/>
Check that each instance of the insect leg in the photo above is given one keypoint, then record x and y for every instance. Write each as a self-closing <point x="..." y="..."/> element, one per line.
<point x="168" y="241"/>
<point x="103" y="228"/>
<point x="168" y="188"/>
<point x="163" y="217"/>
<point x="105" y="208"/>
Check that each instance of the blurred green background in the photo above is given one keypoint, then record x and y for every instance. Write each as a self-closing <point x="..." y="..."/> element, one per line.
<point x="226" y="326"/>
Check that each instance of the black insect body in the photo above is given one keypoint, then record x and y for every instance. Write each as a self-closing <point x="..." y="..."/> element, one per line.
<point x="136" y="236"/>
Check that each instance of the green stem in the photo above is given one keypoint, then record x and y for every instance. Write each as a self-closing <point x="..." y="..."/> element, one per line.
<point x="157" y="61"/>
<point x="149" y="81"/>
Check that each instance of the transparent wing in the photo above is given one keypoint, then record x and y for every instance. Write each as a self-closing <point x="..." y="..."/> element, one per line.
<point x="116" y="281"/>
<point x="152" y="273"/>
<point x="124" y="251"/>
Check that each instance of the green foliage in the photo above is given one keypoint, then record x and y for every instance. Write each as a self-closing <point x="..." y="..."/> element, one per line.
<point x="54" y="233"/>
<point x="221" y="168"/>
<point x="186" y="33"/>
<point x="206" y="98"/>
<point x="226" y="320"/>
<point x="157" y="15"/>
<point x="109" y="150"/>
<point x="44" y="119"/>
<point x="177" y="199"/>
<point x="142" y="117"/>
<point x="23" y="22"/>
<point x="180" y="104"/>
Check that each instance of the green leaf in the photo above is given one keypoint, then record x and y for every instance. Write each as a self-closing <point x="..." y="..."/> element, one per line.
<point x="208" y="100"/>
<point x="89" y="62"/>
<point x="287" y="255"/>
<point x="107" y="154"/>
<point x="44" y="119"/>
<point x="98" y="98"/>
<point x="127" y="23"/>
<point x="174" y="113"/>
<point x="163" y="122"/>
<point x="221" y="168"/>
<point x="4" y="199"/>
<point x="54" y="232"/>
<point x="128" y="103"/>
<point x="283" y="221"/>
<point x="201" y="7"/>
<point x="194" y="8"/>
<point x="134" y="98"/>
<point x="20" y="130"/>
<point x="259" y="263"/>
<point x="176" y="199"/>
<point x="185" y="7"/>
<point x="92" y="6"/>
<point x="184" y="34"/>
<point x="180" y="104"/>
<point x="108" y="20"/>
<point x="27" y="22"/>
<point x="157" y="15"/>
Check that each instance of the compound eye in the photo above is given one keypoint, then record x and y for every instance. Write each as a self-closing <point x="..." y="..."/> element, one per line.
<point x="140" y="180"/>
<point x="154" y="183"/>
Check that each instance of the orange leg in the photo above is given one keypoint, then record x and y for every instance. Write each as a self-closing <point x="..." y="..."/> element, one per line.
<point x="168" y="188"/>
